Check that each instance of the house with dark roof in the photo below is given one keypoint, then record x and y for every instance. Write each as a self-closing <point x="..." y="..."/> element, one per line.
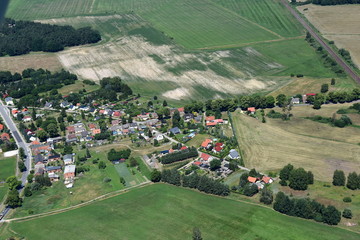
<point x="53" y="169"/>
<point x="175" y="130"/>
<point x="233" y="154"/>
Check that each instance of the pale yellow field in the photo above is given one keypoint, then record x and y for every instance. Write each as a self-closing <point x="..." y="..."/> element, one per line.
<point x="340" y="23"/>
<point x="34" y="60"/>
<point x="303" y="143"/>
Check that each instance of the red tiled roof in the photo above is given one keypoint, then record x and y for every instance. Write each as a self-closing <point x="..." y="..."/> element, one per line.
<point x="210" y="118"/>
<point x="91" y="125"/>
<point x="5" y="135"/>
<point x="181" y="109"/>
<point x="218" y="120"/>
<point x="266" y="179"/>
<point x="183" y="148"/>
<point x="211" y="123"/>
<point x="171" y="150"/>
<point x="205" y="156"/>
<point x="116" y="114"/>
<point x="35" y="143"/>
<point x="96" y="131"/>
<point x="206" y="143"/>
<point x="197" y="163"/>
<point x="251" y="109"/>
<point x="1" y="127"/>
<point x="310" y="94"/>
<point x="252" y="179"/>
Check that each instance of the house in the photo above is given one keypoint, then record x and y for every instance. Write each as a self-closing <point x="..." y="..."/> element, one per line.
<point x="92" y="126"/>
<point x="206" y="143"/>
<point x="1" y="127"/>
<point x="71" y="129"/>
<point x="252" y="179"/>
<point x="188" y="117"/>
<point x="233" y="154"/>
<point x="54" y="140"/>
<point x="267" y="180"/>
<point x="96" y="131"/>
<point x="39" y="159"/>
<point x="9" y="101"/>
<point x="69" y="172"/>
<point x="40" y="148"/>
<point x="198" y="118"/>
<point x="64" y="104"/>
<point x="53" y="177"/>
<point x="68" y="159"/>
<point x="159" y="137"/>
<point x="71" y="138"/>
<point x="251" y="110"/>
<point x="114" y="122"/>
<point x="48" y="105"/>
<point x="5" y="136"/>
<point x="210" y="118"/>
<point x="14" y="112"/>
<point x="39" y="169"/>
<point x="53" y="158"/>
<point x="183" y="148"/>
<point x="175" y="130"/>
<point x="27" y="119"/>
<point x="206" y="157"/>
<point x="53" y="169"/>
<point x="164" y="152"/>
<point x="295" y="100"/>
<point x="197" y="163"/>
<point x="84" y="134"/>
<point x="218" y="147"/>
<point x="116" y="114"/>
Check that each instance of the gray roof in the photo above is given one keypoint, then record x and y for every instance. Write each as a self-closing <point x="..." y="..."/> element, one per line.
<point x="175" y="130"/>
<point x="51" y="168"/>
<point x="234" y="154"/>
<point x="68" y="156"/>
<point x="38" y="158"/>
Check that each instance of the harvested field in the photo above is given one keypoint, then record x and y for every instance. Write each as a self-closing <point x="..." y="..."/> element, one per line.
<point x="340" y="23"/>
<point x="34" y="60"/>
<point x="270" y="146"/>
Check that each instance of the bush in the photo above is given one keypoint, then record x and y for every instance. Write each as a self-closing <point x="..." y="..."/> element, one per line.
<point x="283" y="183"/>
<point x="102" y="165"/>
<point x="106" y="180"/>
<point x="250" y="190"/>
<point x="266" y="196"/>
<point x="347" y="213"/>
<point x="155" y="176"/>
<point x="347" y="199"/>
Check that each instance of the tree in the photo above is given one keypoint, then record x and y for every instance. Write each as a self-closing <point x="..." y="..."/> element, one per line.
<point x="353" y="181"/>
<point x="282" y="203"/>
<point x="30" y="178"/>
<point x="266" y="196"/>
<point x="347" y="213"/>
<point x="215" y="164"/>
<point x="165" y="103"/>
<point x="310" y="177"/>
<point x="63" y="113"/>
<point x="27" y="191"/>
<point x="281" y="100"/>
<point x="52" y="130"/>
<point x="250" y="189"/>
<point x="42" y="135"/>
<point x="70" y="118"/>
<point x="333" y="81"/>
<point x="285" y="172"/>
<point x="21" y="166"/>
<point x="68" y="149"/>
<point x="88" y="155"/>
<point x="197" y="234"/>
<point x="13" y="200"/>
<point x="156" y="142"/>
<point x="324" y="88"/>
<point x="253" y="173"/>
<point x="331" y="215"/>
<point x="155" y="176"/>
<point x="133" y="162"/>
<point x="298" y="179"/>
<point x="44" y="181"/>
<point x="13" y="182"/>
<point x="150" y="133"/>
<point x="176" y="119"/>
<point x="21" y="153"/>
<point x="83" y="115"/>
<point x="317" y="104"/>
<point x="102" y="165"/>
<point x="338" y="178"/>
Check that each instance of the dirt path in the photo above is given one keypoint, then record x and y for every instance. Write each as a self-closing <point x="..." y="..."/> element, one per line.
<point x="100" y="198"/>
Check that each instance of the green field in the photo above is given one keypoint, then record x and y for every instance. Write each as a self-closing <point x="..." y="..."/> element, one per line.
<point x="268" y="13"/>
<point x="7" y="169"/>
<point x="161" y="211"/>
<point x="126" y="173"/>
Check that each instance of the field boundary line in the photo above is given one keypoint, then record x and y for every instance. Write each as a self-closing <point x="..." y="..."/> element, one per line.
<point x="242" y="17"/>
<point x="99" y="198"/>
<point x="250" y="43"/>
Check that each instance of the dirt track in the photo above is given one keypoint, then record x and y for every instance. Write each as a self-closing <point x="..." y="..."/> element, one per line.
<point x="338" y="59"/>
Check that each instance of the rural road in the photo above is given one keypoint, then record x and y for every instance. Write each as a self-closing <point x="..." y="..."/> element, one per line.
<point x="5" y="114"/>
<point x="336" y="57"/>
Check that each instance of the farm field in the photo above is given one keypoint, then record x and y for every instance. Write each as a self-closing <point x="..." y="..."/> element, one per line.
<point x="270" y="14"/>
<point x="305" y="143"/>
<point x="34" y="60"/>
<point x="340" y="23"/>
<point x="177" y="211"/>
<point x="7" y="169"/>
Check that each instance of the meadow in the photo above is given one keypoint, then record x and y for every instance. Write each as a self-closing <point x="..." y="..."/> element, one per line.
<point x="162" y="211"/>
<point x="314" y="146"/>
<point x="7" y="169"/>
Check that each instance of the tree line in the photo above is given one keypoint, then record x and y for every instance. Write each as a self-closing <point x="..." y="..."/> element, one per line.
<point x="179" y="156"/>
<point x="22" y="37"/>
<point x="116" y="155"/>
<point x="201" y="183"/>
<point x="353" y="179"/>
<point x="334" y="2"/>
<point x="306" y="208"/>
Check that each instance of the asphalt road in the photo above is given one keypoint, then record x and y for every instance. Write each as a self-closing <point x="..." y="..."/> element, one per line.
<point x="314" y="34"/>
<point x="5" y="114"/>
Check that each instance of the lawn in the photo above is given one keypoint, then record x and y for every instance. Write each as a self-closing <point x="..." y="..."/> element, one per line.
<point x="7" y="169"/>
<point x="131" y="175"/>
<point x="314" y="146"/>
<point x="197" y="140"/>
<point x="268" y="13"/>
<point x="161" y="211"/>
